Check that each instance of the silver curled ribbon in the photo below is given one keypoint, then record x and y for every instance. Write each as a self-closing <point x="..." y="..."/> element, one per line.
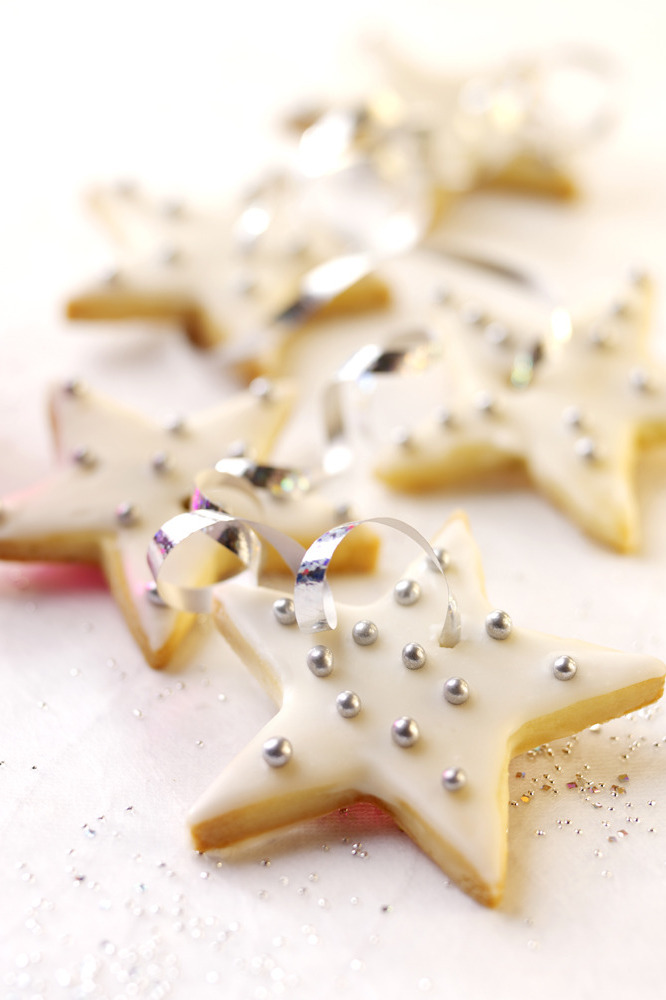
<point x="314" y="606"/>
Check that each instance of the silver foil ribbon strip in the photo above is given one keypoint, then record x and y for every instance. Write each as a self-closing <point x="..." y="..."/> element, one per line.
<point x="313" y="601"/>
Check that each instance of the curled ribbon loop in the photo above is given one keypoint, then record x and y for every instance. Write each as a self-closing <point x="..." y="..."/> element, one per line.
<point x="313" y="601"/>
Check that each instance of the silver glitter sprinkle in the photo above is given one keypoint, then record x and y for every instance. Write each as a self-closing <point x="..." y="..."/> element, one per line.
<point x="126" y="514"/>
<point x="348" y="704"/>
<point x="406" y="592"/>
<point x="170" y="256"/>
<point x="320" y="661"/>
<point x="585" y="448"/>
<point x="456" y="691"/>
<point x="498" y="625"/>
<point x="564" y="668"/>
<point x="404" y="731"/>
<point x="277" y="751"/>
<point x="453" y="779"/>
<point x="161" y="462"/>
<point x="283" y="609"/>
<point x="153" y="595"/>
<point x="413" y="656"/>
<point x="262" y="388"/>
<point x="572" y="417"/>
<point x="343" y="511"/>
<point x="84" y="457"/>
<point x="364" y="633"/>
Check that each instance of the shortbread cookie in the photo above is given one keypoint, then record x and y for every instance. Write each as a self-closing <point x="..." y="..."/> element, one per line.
<point x="219" y="275"/>
<point x="290" y="502"/>
<point x="572" y="405"/>
<point x="119" y="477"/>
<point x="379" y="711"/>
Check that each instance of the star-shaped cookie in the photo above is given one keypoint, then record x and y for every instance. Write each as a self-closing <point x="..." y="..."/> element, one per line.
<point x="572" y="404"/>
<point x="120" y="476"/>
<point x="221" y="275"/>
<point x="378" y="710"/>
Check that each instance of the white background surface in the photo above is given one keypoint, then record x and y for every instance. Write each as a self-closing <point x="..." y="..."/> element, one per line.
<point x="101" y="757"/>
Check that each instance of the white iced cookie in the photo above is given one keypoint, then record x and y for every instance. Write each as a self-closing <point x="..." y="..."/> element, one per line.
<point x="221" y="275"/>
<point x="378" y="710"/>
<point x="572" y="406"/>
<point x="119" y="477"/>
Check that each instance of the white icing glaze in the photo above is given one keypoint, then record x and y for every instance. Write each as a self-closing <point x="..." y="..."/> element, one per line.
<point x="515" y="701"/>
<point x="190" y="266"/>
<point x="72" y="514"/>
<point x="533" y="425"/>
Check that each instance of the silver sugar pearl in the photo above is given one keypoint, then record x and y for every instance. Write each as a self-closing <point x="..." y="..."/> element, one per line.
<point x="348" y="704"/>
<point x="170" y="256"/>
<point x="496" y="334"/>
<point x="161" y="462"/>
<point x="444" y="417"/>
<point x="126" y="514"/>
<point x="320" y="660"/>
<point x="153" y="595"/>
<point x="499" y="625"/>
<point x="639" y="379"/>
<point x="442" y="296"/>
<point x="364" y="633"/>
<point x="637" y="276"/>
<point x="406" y="592"/>
<point x="84" y="457"/>
<point x="401" y="437"/>
<point x="175" y="424"/>
<point x="413" y="656"/>
<point x="485" y="403"/>
<point x="404" y="731"/>
<point x="262" y="388"/>
<point x="442" y="556"/>
<point x="172" y="208"/>
<point x="74" y="387"/>
<point x="283" y="609"/>
<point x="564" y="668"/>
<point x="111" y="278"/>
<point x="471" y="314"/>
<point x="453" y="779"/>
<point x="277" y="751"/>
<point x="585" y="448"/>
<point x="237" y="449"/>
<point x="343" y="511"/>
<point x="456" y="691"/>
<point x="572" y="417"/>
<point x="599" y="336"/>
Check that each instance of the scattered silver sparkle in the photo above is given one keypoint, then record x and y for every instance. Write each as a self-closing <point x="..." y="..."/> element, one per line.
<point x="277" y="751"/>
<point x="365" y="632"/>
<point x="126" y="514"/>
<point x="499" y="624"/>
<point x="407" y="592"/>
<point x="320" y="661"/>
<point x="348" y="704"/>
<point x="283" y="609"/>
<point x="564" y="668"/>
<point x="413" y="656"/>
<point x="453" y="779"/>
<point x="405" y="731"/>
<point x="456" y="691"/>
